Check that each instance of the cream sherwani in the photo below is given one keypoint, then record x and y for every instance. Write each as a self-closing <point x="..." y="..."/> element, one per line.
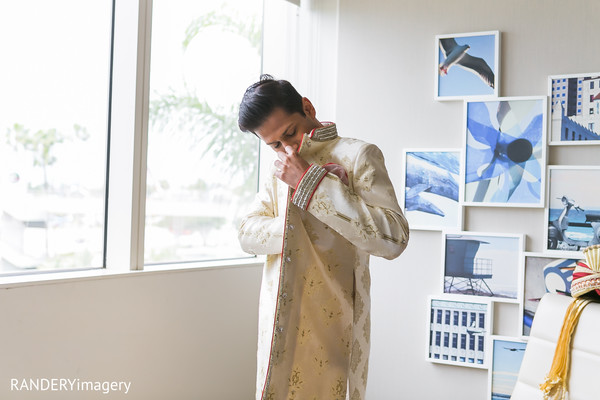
<point x="314" y="322"/>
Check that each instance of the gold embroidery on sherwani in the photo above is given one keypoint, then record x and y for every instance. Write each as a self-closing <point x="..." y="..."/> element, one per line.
<point x="366" y="278"/>
<point x="367" y="175"/>
<point x="358" y="306"/>
<point x="339" y="389"/>
<point x="342" y="216"/>
<point x="345" y="340"/>
<point x="304" y="330"/>
<point x="356" y="356"/>
<point x="285" y="298"/>
<point x="331" y="311"/>
<point x="270" y="395"/>
<point x="313" y="284"/>
<point x="295" y="381"/>
<point x="365" y="374"/>
<point x="320" y="361"/>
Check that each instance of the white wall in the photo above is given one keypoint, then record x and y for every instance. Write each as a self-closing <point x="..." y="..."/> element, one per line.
<point x="173" y="335"/>
<point x="385" y="95"/>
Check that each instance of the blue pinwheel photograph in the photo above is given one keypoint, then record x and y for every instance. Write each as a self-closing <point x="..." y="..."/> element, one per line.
<point x="505" y="152"/>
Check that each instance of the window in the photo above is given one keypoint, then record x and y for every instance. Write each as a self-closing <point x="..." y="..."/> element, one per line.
<point x="463" y="341"/>
<point x="471" y="342"/>
<point x="454" y="340"/>
<point x="438" y="337"/>
<point x="481" y="320"/>
<point x="59" y="112"/>
<point x="439" y="316"/>
<point x="464" y="318"/>
<point x="455" y="319"/>
<point x="446" y="339"/>
<point x="53" y="133"/>
<point x="591" y="110"/>
<point x="591" y="84"/>
<point x="447" y="317"/>
<point x="201" y="170"/>
<point x="480" y="343"/>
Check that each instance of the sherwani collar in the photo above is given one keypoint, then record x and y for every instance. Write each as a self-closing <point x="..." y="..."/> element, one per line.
<point x="326" y="132"/>
<point x="317" y="138"/>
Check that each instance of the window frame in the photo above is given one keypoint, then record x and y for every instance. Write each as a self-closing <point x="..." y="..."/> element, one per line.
<point x="310" y="68"/>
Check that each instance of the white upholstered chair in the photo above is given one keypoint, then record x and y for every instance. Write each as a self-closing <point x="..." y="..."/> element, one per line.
<point x="584" y="383"/>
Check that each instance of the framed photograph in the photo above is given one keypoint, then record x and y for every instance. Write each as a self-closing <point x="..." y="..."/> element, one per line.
<point x="459" y="329"/>
<point x="573" y="210"/>
<point x="505" y="152"/>
<point x="431" y="189"/>
<point x="574" y="109"/>
<point x="467" y="64"/>
<point x="483" y="264"/>
<point x="543" y="274"/>
<point x="507" y="356"/>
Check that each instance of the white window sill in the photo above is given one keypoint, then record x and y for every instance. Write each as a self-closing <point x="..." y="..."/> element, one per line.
<point x="54" y="277"/>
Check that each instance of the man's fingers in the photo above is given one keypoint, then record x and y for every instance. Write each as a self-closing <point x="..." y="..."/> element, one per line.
<point x="282" y="155"/>
<point x="289" y="150"/>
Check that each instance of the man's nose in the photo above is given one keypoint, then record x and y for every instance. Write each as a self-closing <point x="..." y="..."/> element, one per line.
<point x="293" y="144"/>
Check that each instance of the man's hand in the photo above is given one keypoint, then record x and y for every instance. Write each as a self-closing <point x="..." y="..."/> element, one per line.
<point x="290" y="166"/>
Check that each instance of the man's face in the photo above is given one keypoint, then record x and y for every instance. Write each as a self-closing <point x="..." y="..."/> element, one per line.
<point x="281" y="129"/>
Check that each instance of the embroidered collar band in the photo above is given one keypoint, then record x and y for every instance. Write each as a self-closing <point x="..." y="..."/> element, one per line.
<point x="327" y="132"/>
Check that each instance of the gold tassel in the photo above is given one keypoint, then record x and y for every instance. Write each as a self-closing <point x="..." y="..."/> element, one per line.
<point x="555" y="386"/>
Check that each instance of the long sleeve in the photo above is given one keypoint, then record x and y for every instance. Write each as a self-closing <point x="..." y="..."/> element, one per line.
<point x="261" y="230"/>
<point x="366" y="212"/>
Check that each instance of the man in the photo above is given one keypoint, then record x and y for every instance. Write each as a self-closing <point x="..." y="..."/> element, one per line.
<point x="328" y="205"/>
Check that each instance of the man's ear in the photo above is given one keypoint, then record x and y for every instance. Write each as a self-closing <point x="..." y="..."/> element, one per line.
<point x="308" y="108"/>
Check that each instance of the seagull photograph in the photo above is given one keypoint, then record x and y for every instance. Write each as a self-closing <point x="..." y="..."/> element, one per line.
<point x="467" y="65"/>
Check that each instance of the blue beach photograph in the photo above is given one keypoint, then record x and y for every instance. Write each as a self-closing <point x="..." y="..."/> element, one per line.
<point x="573" y="216"/>
<point x="506" y="363"/>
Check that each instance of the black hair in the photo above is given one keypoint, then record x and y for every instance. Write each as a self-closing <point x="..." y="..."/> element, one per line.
<point x="264" y="96"/>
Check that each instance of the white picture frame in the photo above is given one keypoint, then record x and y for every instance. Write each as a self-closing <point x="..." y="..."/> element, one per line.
<point x="459" y="329"/>
<point x="482" y="264"/>
<point x="574" y="109"/>
<point x="506" y="359"/>
<point x="432" y="188"/>
<point x="504" y="152"/>
<point x="542" y="273"/>
<point x="472" y="67"/>
<point x="572" y="213"/>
